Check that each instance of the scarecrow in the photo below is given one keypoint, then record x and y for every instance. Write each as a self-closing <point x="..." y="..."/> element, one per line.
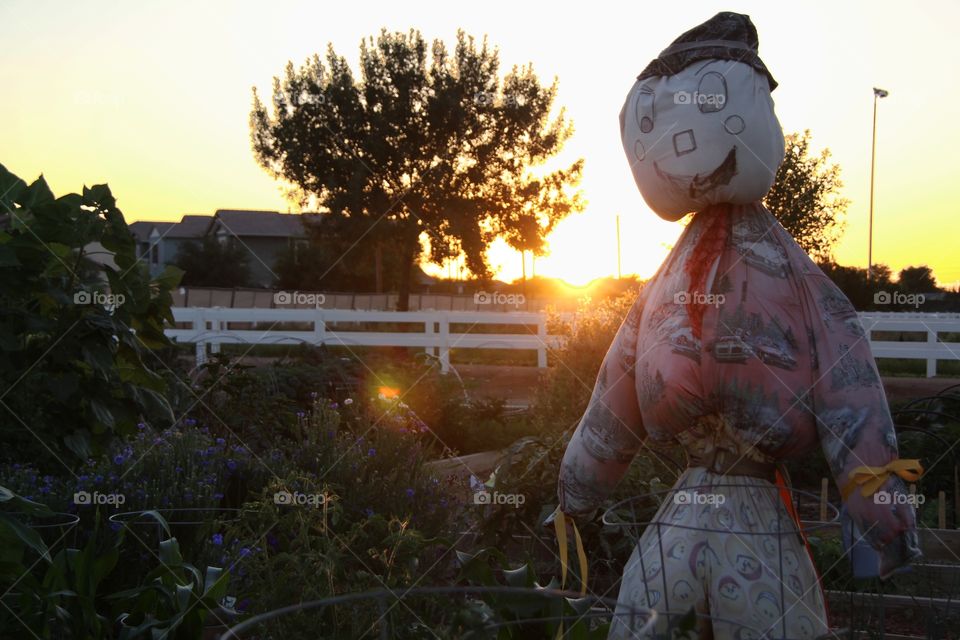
<point x="740" y="350"/>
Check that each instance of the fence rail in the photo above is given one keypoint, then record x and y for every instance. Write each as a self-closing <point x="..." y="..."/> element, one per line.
<point x="431" y="331"/>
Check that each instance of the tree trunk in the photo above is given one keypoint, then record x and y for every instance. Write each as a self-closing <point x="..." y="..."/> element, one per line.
<point x="406" y="268"/>
<point x="378" y="266"/>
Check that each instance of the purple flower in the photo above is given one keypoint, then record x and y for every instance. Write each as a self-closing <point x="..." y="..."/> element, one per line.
<point x="372" y="452"/>
<point x="221" y="441"/>
<point x="231" y="464"/>
<point x="410" y="492"/>
<point x="301" y="414"/>
<point x="244" y="552"/>
<point x="368" y="512"/>
<point x="190" y="422"/>
<point x="217" y="539"/>
<point x="141" y="426"/>
<point x="118" y="459"/>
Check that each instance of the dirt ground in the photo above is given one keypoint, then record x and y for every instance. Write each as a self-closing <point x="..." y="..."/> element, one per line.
<point x="518" y="384"/>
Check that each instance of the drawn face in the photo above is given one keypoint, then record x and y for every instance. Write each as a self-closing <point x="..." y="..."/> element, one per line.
<point x="703" y="136"/>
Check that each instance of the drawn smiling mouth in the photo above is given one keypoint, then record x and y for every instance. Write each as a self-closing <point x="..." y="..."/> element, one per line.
<point x="696" y="185"/>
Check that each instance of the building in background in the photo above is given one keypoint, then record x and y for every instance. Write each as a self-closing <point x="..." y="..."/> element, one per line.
<point x="264" y="234"/>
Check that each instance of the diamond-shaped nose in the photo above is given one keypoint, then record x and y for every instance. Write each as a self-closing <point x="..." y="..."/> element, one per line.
<point x="684" y="142"/>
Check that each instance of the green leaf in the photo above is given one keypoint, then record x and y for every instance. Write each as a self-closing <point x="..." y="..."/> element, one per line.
<point x="519" y="577"/>
<point x="170" y="552"/>
<point x="25" y="535"/>
<point x="102" y="414"/>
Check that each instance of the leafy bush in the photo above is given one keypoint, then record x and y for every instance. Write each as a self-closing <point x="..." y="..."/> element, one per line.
<point x="563" y="396"/>
<point x="75" y="330"/>
<point x="213" y="263"/>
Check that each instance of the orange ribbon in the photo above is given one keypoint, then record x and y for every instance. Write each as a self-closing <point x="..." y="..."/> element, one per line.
<point x="872" y="478"/>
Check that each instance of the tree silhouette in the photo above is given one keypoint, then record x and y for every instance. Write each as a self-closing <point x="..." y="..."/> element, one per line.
<point x="804" y="197"/>
<point x="434" y="143"/>
<point x="917" y="280"/>
<point x="213" y="263"/>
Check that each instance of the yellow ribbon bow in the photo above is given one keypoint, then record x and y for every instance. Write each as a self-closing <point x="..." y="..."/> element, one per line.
<point x="559" y="524"/>
<point x="872" y="478"/>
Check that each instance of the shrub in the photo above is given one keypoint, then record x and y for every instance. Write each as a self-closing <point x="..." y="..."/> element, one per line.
<point x="563" y="396"/>
<point x="76" y="330"/>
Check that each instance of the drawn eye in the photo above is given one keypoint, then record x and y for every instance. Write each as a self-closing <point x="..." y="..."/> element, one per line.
<point x="712" y="93"/>
<point x="645" y="109"/>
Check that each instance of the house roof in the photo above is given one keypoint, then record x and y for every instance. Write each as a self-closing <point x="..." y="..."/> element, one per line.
<point x="190" y="226"/>
<point x="143" y="228"/>
<point x="260" y="223"/>
<point x="235" y="222"/>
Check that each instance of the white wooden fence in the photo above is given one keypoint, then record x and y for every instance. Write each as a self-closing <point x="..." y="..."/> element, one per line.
<point x="431" y="331"/>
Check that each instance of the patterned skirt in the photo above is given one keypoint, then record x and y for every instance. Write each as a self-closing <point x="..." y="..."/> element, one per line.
<point x="725" y="546"/>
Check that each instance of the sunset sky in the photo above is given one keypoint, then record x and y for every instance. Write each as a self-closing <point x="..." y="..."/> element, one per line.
<point x="154" y="98"/>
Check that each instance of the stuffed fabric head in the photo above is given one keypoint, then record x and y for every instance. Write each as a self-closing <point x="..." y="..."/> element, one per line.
<point x="698" y="126"/>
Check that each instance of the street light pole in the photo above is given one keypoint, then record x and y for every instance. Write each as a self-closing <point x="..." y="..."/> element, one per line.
<point x="877" y="93"/>
<point x="619" y="276"/>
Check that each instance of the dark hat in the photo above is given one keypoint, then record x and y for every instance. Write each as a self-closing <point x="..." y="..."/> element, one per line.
<point x="725" y="36"/>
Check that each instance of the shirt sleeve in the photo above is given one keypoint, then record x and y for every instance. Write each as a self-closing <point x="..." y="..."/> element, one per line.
<point x="854" y="423"/>
<point x="610" y="432"/>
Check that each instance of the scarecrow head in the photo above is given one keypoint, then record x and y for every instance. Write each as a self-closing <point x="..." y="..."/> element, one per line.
<point x="698" y="126"/>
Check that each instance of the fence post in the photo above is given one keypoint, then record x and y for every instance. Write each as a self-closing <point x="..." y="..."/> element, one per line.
<point x="444" y="342"/>
<point x="428" y="330"/>
<point x="824" y="488"/>
<point x="216" y="326"/>
<point x="199" y="328"/>
<point x="931" y="362"/>
<point x="319" y="327"/>
<point x="542" y="335"/>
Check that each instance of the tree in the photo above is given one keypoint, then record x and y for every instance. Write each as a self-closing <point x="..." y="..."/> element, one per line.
<point x="442" y="148"/>
<point x="804" y="197"/>
<point x="213" y="263"/>
<point x="330" y="262"/>
<point x="917" y="280"/>
<point x="856" y="285"/>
